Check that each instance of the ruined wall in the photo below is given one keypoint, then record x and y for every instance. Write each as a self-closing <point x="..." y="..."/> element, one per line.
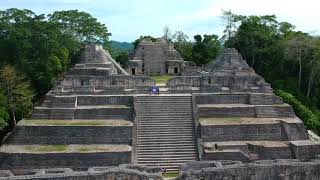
<point x="128" y="172"/>
<point x="259" y="170"/>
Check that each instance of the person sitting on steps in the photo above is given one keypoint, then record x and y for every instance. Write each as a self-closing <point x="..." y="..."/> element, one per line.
<point x="154" y="90"/>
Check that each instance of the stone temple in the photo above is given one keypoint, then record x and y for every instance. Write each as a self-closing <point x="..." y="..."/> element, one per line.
<point x="156" y="57"/>
<point x="99" y="122"/>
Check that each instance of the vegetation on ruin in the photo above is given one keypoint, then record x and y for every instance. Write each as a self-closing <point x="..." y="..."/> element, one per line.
<point x="170" y="175"/>
<point x="311" y="120"/>
<point x="47" y="148"/>
<point x="161" y="78"/>
<point x="37" y="49"/>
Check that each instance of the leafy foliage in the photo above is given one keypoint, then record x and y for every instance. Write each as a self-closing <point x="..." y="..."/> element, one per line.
<point x="205" y="49"/>
<point x="81" y="25"/>
<point x="310" y="119"/>
<point x="4" y="116"/>
<point x="36" y="49"/>
<point x="288" y="59"/>
<point x="17" y="91"/>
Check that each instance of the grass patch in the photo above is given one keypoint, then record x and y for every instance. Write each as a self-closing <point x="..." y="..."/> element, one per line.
<point x="171" y="175"/>
<point x="161" y="78"/>
<point x="48" y="148"/>
<point x="84" y="149"/>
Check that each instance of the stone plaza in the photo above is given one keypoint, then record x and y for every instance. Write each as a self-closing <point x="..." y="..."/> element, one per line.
<point x="100" y="122"/>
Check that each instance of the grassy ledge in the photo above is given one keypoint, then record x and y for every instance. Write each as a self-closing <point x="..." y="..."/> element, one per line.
<point x="171" y="175"/>
<point x="161" y="78"/>
<point x="47" y="148"/>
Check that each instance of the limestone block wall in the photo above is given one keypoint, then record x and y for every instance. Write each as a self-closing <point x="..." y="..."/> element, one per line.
<point x="257" y="132"/>
<point x="103" y="100"/>
<point x="246" y="111"/>
<point x="69" y="160"/>
<point x="71" y="135"/>
<point x="103" y="113"/>
<point x="240" y="98"/>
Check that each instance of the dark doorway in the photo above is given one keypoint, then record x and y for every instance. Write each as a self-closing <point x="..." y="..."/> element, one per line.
<point x="133" y="71"/>
<point x="176" y="70"/>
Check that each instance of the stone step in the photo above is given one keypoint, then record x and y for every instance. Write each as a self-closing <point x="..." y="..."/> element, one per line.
<point x="164" y="115"/>
<point x="166" y="159"/>
<point x="165" y="143"/>
<point x="172" y="122"/>
<point x="166" y="110"/>
<point x="147" y="117"/>
<point x="168" y="131"/>
<point x="167" y="136"/>
<point x="163" y="125"/>
<point x="166" y="155"/>
<point x="142" y="128"/>
<point x="165" y="150"/>
<point x="164" y="139"/>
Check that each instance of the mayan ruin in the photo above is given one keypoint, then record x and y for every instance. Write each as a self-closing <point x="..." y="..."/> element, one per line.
<point x="159" y="90"/>
<point x="99" y="116"/>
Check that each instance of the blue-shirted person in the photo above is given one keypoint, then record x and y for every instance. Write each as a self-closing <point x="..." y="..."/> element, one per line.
<point x="154" y="90"/>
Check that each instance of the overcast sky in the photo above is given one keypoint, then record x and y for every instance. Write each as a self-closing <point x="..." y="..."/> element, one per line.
<point x="128" y="19"/>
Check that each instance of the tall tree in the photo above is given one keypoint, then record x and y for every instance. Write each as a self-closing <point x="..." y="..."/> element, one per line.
<point x="4" y="116"/>
<point x="205" y="49"/>
<point x="17" y="91"/>
<point x="167" y="33"/>
<point x="81" y="25"/>
<point x="298" y="47"/>
<point x="182" y="45"/>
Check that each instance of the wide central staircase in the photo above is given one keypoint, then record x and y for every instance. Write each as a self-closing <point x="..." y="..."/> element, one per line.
<point x="165" y="131"/>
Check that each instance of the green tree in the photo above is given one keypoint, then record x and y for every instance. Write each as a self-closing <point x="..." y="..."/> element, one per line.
<point x="123" y="58"/>
<point x="205" y="49"/>
<point x="4" y="116"/>
<point x="81" y="25"/>
<point x="182" y="45"/>
<point x="298" y="46"/>
<point x="17" y="91"/>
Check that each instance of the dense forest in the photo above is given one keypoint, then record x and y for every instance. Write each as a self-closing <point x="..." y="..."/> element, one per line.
<point x="35" y="50"/>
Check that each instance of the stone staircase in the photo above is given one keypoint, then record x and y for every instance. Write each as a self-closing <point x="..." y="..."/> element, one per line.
<point x="165" y="131"/>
